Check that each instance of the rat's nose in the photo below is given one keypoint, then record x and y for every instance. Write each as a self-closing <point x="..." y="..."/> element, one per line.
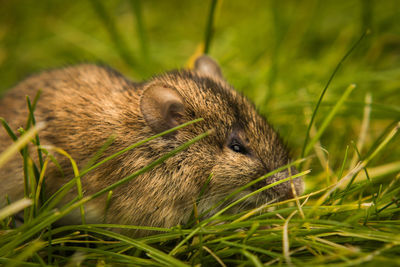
<point x="285" y="189"/>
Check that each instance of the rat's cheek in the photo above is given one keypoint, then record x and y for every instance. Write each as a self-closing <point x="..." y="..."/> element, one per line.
<point x="229" y="173"/>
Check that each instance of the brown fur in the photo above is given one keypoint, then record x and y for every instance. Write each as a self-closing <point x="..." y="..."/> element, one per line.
<point x="83" y="105"/>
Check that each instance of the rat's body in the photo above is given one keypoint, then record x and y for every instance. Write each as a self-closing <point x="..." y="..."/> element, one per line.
<point x="84" y="105"/>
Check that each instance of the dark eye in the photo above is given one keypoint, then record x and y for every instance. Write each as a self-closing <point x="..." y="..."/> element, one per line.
<point x="237" y="147"/>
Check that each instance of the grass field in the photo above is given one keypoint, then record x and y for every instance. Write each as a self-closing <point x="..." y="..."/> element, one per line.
<point x="325" y="73"/>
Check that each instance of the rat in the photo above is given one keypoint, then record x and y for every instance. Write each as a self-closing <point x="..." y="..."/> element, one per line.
<point x="83" y="105"/>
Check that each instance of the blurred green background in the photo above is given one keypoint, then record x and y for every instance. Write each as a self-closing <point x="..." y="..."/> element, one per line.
<point x="279" y="53"/>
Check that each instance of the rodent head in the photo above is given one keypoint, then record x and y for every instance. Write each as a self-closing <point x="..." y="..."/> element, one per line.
<point x="241" y="148"/>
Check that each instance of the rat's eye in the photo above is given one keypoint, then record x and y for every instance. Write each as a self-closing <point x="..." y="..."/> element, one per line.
<point x="237" y="147"/>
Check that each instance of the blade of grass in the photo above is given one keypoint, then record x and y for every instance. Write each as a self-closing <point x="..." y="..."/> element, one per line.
<point x="31" y="108"/>
<point x="115" y="36"/>
<point x="375" y="172"/>
<point x="40" y="184"/>
<point x="100" y="152"/>
<point x="35" y="246"/>
<point x="285" y="240"/>
<point x="54" y="160"/>
<point x="364" y="127"/>
<point x="6" y="155"/>
<point x="194" y="216"/>
<point x="13" y="223"/>
<point x="380" y="147"/>
<point x="32" y="191"/>
<point x="10" y="132"/>
<point x="107" y="207"/>
<point x="303" y="152"/>
<point x="185" y="240"/>
<point x="78" y="180"/>
<point x="15" y="207"/>
<point x="329" y="117"/>
<point x="32" y="117"/>
<point x="333" y="195"/>
<point x="141" y="32"/>
<point x="26" y="179"/>
<point x="253" y="258"/>
<point x="214" y="256"/>
<point x="209" y="31"/>
<point x="255" y="225"/>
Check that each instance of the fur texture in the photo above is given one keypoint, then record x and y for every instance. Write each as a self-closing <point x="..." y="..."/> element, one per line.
<point x="83" y="105"/>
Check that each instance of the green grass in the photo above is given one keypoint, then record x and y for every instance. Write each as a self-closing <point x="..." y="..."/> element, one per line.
<point x="295" y="61"/>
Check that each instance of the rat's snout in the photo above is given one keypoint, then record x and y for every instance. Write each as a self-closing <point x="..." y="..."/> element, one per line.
<point x="283" y="190"/>
<point x="298" y="183"/>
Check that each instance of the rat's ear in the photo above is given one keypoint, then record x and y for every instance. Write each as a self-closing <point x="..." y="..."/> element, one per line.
<point x="162" y="107"/>
<point x="208" y="66"/>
